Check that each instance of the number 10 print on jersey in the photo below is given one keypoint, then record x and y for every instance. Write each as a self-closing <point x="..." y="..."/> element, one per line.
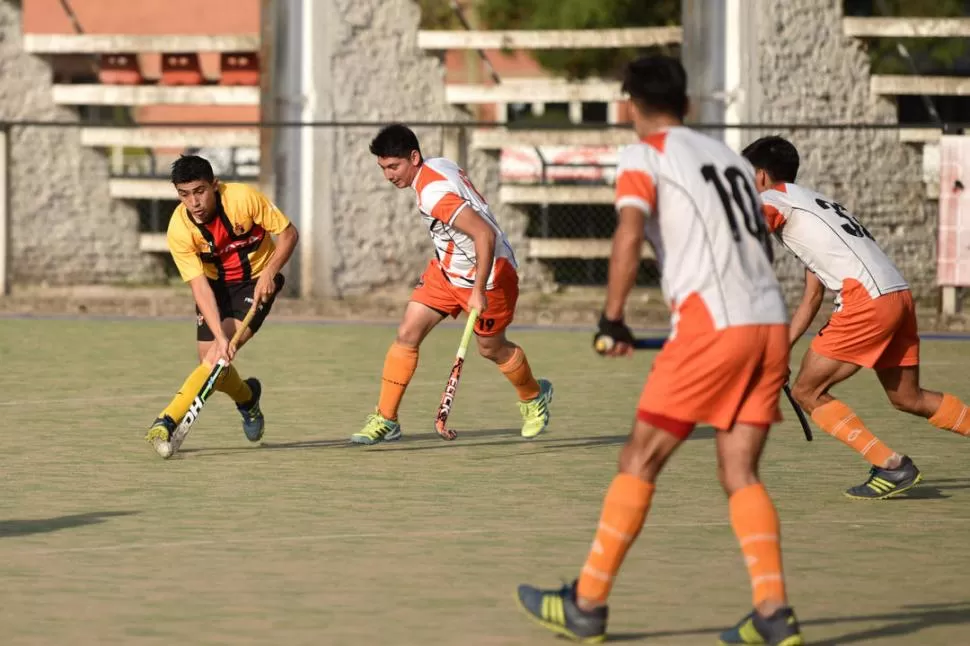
<point x="745" y="197"/>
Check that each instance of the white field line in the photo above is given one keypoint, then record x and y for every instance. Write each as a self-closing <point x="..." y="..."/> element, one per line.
<point x="122" y="397"/>
<point x="349" y="536"/>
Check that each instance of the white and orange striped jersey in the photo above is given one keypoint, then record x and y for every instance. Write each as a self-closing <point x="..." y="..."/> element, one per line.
<point x="443" y="189"/>
<point x="705" y="221"/>
<point x="829" y="241"/>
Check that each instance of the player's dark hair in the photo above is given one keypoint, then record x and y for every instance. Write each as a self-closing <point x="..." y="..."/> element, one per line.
<point x="395" y="140"/>
<point x="192" y="168"/>
<point x="657" y="83"/>
<point x="776" y="156"/>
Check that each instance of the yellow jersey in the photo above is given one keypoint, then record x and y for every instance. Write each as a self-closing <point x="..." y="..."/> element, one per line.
<point x="234" y="246"/>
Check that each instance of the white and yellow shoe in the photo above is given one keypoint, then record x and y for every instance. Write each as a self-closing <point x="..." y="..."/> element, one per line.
<point x="377" y="429"/>
<point x="535" y="413"/>
<point x="160" y="435"/>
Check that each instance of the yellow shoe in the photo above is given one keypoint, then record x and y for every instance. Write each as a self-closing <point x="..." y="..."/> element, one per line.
<point x="377" y="429"/>
<point x="535" y="413"/>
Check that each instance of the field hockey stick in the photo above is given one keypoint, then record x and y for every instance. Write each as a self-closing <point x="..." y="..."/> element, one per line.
<point x="178" y="436"/>
<point x="602" y="343"/>
<point x="451" y="387"/>
<point x="806" y="428"/>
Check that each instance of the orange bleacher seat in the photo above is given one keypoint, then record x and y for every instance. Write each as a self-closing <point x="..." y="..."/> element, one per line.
<point x="239" y="68"/>
<point x="120" y="69"/>
<point x="181" y="69"/>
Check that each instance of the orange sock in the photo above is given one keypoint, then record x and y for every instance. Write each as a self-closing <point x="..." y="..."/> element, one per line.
<point x="755" y="522"/>
<point x="517" y="371"/>
<point x="624" y="510"/>
<point x="952" y="416"/>
<point x="399" y="366"/>
<point x="840" y="422"/>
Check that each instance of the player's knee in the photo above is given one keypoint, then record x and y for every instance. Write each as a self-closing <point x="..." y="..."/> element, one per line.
<point x="734" y="477"/>
<point x="209" y="355"/>
<point x="495" y="350"/>
<point x="906" y="402"/>
<point x="805" y="396"/>
<point x="644" y="460"/>
<point x="409" y="336"/>
<point x="488" y="351"/>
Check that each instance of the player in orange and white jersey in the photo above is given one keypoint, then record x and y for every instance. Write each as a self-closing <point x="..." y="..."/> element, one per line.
<point x="724" y="364"/>
<point x="873" y="326"/>
<point x="474" y="268"/>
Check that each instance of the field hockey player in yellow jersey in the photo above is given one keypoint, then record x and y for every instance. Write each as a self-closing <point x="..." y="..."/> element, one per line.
<point x="220" y="237"/>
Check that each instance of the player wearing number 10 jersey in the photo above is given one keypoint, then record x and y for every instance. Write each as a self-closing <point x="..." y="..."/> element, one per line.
<point x="724" y="365"/>
<point x="873" y="326"/>
<point x="473" y="268"/>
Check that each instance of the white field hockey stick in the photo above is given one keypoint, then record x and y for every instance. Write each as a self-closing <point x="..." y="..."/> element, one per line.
<point x="178" y="436"/>
<point x="448" y="397"/>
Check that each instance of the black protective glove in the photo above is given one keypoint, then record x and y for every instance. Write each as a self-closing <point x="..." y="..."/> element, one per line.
<point x="614" y="331"/>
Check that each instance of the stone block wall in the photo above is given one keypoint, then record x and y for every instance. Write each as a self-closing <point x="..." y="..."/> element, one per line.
<point x="64" y="227"/>
<point x="806" y="71"/>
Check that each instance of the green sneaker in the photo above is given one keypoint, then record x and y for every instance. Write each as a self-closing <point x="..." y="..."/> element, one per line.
<point x="780" y="629"/>
<point x="535" y="413"/>
<point x="377" y="429"/>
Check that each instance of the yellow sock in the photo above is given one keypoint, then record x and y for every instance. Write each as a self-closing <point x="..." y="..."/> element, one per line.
<point x="177" y="408"/>
<point x="232" y="384"/>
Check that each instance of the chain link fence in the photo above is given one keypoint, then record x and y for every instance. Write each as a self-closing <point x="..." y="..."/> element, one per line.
<point x="551" y="188"/>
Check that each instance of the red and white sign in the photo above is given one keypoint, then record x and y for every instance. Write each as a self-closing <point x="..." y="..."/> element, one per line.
<point x="522" y="164"/>
<point x="953" y="248"/>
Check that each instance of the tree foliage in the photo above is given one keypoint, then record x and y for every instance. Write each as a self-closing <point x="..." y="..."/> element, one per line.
<point x="563" y="14"/>
<point x="580" y="14"/>
<point x="931" y="55"/>
<point x="437" y="14"/>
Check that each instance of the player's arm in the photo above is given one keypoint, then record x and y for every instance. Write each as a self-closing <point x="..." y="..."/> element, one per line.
<point x="808" y="308"/>
<point x="205" y="300"/>
<point x="189" y="265"/>
<point x="636" y="199"/>
<point x="285" y="244"/>
<point x="268" y="216"/>
<point x="622" y="276"/>
<point x="475" y="227"/>
<point x="624" y="260"/>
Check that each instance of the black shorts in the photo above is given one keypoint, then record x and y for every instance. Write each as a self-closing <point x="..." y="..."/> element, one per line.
<point x="234" y="301"/>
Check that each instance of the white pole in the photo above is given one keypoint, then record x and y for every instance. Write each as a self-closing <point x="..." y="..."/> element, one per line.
<point x="307" y="156"/>
<point x="732" y="73"/>
<point x="4" y="212"/>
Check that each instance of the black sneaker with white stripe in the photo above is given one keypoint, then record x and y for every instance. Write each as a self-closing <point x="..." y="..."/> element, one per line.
<point x="886" y="483"/>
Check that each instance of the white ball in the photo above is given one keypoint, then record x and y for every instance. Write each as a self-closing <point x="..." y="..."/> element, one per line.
<point x="164" y="449"/>
<point x="604" y="344"/>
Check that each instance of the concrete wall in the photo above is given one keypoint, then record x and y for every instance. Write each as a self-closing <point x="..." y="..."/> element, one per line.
<point x="64" y="228"/>
<point x="803" y="70"/>
<point x="367" y="67"/>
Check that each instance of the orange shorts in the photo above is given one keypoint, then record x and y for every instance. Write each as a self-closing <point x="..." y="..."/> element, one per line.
<point x="437" y="292"/>
<point x="871" y="332"/>
<point x="720" y="377"/>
